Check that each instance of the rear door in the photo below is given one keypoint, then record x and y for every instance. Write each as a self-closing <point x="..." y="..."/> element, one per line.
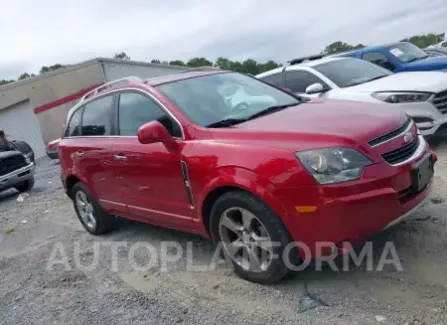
<point x="92" y="150"/>
<point x="152" y="182"/>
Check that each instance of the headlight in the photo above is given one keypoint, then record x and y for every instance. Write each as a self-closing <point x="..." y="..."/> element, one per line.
<point x="401" y="97"/>
<point x="334" y="165"/>
<point x="28" y="160"/>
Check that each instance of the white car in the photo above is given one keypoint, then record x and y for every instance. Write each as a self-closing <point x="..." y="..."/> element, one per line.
<point x="423" y="95"/>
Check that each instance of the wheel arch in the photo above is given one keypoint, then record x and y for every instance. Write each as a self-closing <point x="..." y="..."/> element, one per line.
<point x="243" y="180"/>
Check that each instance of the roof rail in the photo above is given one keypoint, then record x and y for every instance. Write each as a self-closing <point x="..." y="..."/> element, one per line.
<point x="306" y="59"/>
<point x="110" y="84"/>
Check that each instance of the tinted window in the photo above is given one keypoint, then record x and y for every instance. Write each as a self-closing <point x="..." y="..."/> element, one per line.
<point x="379" y="59"/>
<point x="74" y="127"/>
<point x="274" y="79"/>
<point x="298" y="80"/>
<point x="349" y="72"/>
<point x="97" y="117"/>
<point x="136" y="109"/>
<point x="203" y="101"/>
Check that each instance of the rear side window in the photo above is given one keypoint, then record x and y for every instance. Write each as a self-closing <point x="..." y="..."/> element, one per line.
<point x="135" y="109"/>
<point x="74" y="127"/>
<point x="274" y="79"/>
<point x="97" y="117"/>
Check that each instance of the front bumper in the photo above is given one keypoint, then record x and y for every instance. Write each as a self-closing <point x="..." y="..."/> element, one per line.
<point x="426" y="110"/>
<point x="353" y="212"/>
<point x="16" y="177"/>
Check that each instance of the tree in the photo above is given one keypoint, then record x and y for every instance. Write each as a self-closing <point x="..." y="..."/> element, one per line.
<point x="156" y="61"/>
<point x="121" y="56"/>
<point x="5" y="82"/>
<point x="424" y="41"/>
<point x="199" y="62"/>
<point x="177" y="62"/>
<point x="339" y="46"/>
<point x="54" y="67"/>
<point x="26" y="75"/>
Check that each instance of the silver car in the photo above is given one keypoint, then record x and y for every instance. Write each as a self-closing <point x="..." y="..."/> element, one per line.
<point x="423" y="95"/>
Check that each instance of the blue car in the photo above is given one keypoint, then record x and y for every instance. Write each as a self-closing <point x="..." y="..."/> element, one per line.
<point x="399" y="57"/>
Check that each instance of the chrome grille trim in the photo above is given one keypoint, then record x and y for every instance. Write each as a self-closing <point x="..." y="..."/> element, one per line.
<point x="419" y="151"/>
<point x="406" y="127"/>
<point x="440" y="101"/>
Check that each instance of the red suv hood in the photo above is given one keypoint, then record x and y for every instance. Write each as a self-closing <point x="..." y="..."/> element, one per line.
<point x="318" y="124"/>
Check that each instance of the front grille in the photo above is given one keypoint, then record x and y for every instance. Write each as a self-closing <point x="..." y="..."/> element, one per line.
<point x="440" y="101"/>
<point x="401" y="154"/>
<point x="10" y="164"/>
<point x="390" y="135"/>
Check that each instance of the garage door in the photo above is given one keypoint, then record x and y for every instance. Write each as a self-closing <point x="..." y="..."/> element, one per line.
<point x="20" y="123"/>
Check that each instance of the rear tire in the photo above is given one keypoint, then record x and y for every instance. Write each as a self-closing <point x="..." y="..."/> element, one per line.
<point x="91" y="215"/>
<point x="26" y="185"/>
<point x="240" y="206"/>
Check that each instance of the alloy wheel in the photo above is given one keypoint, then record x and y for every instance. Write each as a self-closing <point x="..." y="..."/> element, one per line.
<point x="245" y="239"/>
<point x="86" y="210"/>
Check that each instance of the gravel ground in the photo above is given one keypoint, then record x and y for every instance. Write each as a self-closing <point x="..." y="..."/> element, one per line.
<point x="45" y="225"/>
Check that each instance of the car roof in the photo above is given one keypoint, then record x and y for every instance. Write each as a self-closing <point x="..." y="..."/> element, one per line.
<point x="368" y="48"/>
<point x="308" y="64"/>
<point x="155" y="81"/>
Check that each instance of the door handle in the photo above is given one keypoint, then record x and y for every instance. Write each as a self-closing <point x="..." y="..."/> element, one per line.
<point x="120" y="157"/>
<point x="79" y="154"/>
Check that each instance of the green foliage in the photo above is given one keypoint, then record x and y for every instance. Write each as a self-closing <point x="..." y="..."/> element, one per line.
<point x="340" y="46"/>
<point x="26" y="75"/>
<point x="54" y="67"/>
<point x="4" y="82"/>
<point x="121" y="56"/>
<point x="9" y="231"/>
<point x="424" y="41"/>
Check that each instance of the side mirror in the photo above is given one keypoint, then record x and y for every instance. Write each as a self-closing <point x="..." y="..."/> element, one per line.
<point x="153" y="132"/>
<point x="287" y="90"/>
<point x="315" y="88"/>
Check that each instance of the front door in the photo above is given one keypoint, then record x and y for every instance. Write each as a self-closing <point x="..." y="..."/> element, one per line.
<point x="152" y="183"/>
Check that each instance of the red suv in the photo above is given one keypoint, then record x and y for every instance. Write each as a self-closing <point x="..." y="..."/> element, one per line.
<point x="250" y="166"/>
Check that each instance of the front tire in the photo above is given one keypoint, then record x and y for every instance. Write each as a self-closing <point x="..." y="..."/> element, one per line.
<point x="26" y="185"/>
<point x="91" y="215"/>
<point x="252" y="236"/>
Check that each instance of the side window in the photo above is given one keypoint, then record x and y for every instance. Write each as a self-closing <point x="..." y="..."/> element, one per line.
<point x="135" y="109"/>
<point x="274" y="79"/>
<point x="299" y="80"/>
<point x="97" y="117"/>
<point x="379" y="59"/>
<point x="74" y="126"/>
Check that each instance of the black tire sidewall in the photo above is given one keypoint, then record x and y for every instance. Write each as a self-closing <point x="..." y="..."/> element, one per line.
<point x="271" y="222"/>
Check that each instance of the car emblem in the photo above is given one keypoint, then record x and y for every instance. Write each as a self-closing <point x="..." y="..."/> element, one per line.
<point x="408" y="137"/>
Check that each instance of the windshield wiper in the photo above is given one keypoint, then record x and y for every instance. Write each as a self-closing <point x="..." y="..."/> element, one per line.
<point x="226" y="122"/>
<point x="270" y="110"/>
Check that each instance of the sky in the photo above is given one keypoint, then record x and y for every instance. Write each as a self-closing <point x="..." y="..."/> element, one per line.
<point x="67" y="32"/>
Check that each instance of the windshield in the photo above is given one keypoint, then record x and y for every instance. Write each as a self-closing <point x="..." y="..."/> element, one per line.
<point x="349" y="72"/>
<point x="209" y="99"/>
<point x="407" y="52"/>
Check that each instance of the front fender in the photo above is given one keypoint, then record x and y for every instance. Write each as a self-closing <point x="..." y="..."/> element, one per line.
<point x="244" y="179"/>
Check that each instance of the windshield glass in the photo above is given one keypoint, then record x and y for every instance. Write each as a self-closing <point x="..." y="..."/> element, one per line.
<point x="209" y="99"/>
<point x="349" y="72"/>
<point x="407" y="52"/>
